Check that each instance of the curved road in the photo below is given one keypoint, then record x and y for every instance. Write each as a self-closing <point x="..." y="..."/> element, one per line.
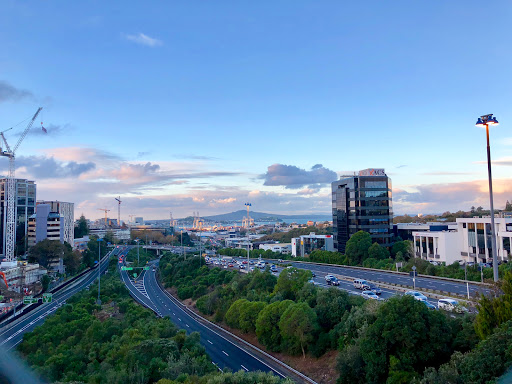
<point x="223" y="352"/>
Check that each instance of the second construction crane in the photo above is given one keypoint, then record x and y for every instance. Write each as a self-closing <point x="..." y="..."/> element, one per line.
<point x="10" y="230"/>
<point x="118" y="199"/>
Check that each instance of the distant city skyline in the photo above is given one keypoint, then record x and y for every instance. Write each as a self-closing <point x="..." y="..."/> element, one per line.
<point x="203" y="107"/>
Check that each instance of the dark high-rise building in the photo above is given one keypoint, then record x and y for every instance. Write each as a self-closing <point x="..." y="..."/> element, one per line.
<point x="362" y="203"/>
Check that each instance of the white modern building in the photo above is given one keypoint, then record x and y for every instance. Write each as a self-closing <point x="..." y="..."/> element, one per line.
<point x="284" y="248"/>
<point x="471" y="241"/>
<point x="305" y="244"/>
<point x="67" y="211"/>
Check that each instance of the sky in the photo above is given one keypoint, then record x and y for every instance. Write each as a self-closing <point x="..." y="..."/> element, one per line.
<point x="202" y="106"/>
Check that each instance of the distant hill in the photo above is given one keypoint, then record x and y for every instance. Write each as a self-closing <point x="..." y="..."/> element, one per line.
<point x="261" y="216"/>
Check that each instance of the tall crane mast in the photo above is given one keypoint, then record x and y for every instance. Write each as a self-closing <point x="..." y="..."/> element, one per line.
<point x="118" y="199"/>
<point x="10" y="228"/>
<point x="105" y="210"/>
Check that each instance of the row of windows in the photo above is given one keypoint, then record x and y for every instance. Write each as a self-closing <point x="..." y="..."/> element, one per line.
<point x="374" y="184"/>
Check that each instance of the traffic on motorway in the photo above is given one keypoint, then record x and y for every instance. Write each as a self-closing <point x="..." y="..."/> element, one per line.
<point x="12" y="334"/>
<point x="224" y="351"/>
<point x="325" y="277"/>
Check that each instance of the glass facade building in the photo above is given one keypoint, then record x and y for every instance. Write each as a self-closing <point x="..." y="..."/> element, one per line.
<point x="25" y="207"/>
<point x="362" y="202"/>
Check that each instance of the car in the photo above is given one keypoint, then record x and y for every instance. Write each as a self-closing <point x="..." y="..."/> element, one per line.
<point x="328" y="277"/>
<point x="241" y="266"/>
<point x="244" y="262"/>
<point x="369" y="295"/>
<point x="279" y="260"/>
<point x="470" y="263"/>
<point x="251" y="269"/>
<point x="333" y="281"/>
<point x="451" y="305"/>
<point x="433" y="262"/>
<point x="417" y="295"/>
<point x="373" y="288"/>
<point x="430" y="305"/>
<point x="273" y="268"/>
<point x="312" y="281"/>
<point x="313" y="274"/>
<point x="230" y="265"/>
<point x="361" y="284"/>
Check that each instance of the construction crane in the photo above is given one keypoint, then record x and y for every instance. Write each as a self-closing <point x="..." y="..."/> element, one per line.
<point x="118" y="199"/>
<point x="131" y="218"/>
<point x="105" y="210"/>
<point x="10" y="230"/>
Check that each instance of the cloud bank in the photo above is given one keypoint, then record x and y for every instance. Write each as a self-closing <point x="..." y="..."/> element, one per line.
<point x="293" y="177"/>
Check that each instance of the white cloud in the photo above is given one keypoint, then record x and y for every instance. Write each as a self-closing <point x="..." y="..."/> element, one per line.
<point x="143" y="39"/>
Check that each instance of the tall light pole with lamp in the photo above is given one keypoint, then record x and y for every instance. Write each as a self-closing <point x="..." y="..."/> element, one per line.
<point x="99" y="270"/>
<point x="137" y="241"/>
<point x="485" y="121"/>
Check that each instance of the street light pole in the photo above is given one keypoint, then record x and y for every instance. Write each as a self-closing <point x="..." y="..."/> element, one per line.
<point x="137" y="241"/>
<point x="466" y="276"/>
<point x="487" y="120"/>
<point x="99" y="270"/>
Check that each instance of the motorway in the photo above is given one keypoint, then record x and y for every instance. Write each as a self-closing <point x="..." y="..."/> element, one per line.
<point x="224" y="353"/>
<point x="387" y="277"/>
<point x="12" y="334"/>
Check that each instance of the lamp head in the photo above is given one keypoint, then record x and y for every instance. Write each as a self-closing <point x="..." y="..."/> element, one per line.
<point x="480" y="123"/>
<point x="493" y="121"/>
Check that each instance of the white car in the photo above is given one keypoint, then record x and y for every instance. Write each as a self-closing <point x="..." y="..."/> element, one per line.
<point x="451" y="305"/>
<point x="370" y="295"/>
<point x="417" y="295"/>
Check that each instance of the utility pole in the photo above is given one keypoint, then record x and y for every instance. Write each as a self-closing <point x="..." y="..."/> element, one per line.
<point x="99" y="270"/>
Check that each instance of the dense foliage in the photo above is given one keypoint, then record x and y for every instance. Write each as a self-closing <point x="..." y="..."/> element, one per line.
<point x="397" y="341"/>
<point x="121" y="342"/>
<point x="46" y="250"/>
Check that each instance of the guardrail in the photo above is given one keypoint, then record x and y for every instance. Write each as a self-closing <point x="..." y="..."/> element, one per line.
<point x="388" y="271"/>
<point x="12" y="316"/>
<point x="296" y="373"/>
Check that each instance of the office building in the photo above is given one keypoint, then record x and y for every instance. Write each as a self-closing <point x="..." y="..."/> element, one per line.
<point x="47" y="225"/>
<point x="67" y="211"/>
<point x="25" y="207"/>
<point x="470" y="242"/>
<point x="284" y="248"/>
<point x="362" y="202"/>
<point x="304" y="245"/>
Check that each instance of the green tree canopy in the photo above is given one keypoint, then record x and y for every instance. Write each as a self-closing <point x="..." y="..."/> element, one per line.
<point x="290" y="282"/>
<point x="357" y="247"/>
<point x="81" y="227"/>
<point x="267" y="325"/>
<point x="298" y="326"/>
<point x="378" y="252"/>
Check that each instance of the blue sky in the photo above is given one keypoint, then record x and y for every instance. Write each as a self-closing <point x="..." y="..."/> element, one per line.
<point x="199" y="106"/>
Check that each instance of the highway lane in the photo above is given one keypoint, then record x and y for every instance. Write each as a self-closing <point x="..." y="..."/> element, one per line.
<point x="12" y="335"/>
<point x="222" y="351"/>
<point x="421" y="282"/>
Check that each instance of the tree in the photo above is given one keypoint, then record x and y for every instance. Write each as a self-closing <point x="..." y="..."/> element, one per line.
<point x="376" y="251"/>
<point x="249" y="312"/>
<point x="81" y="227"/>
<point x="298" y="326"/>
<point x="45" y="251"/>
<point x="357" y="247"/>
<point x="405" y="338"/>
<point x="267" y="325"/>
<point x="233" y="314"/>
<point x="405" y="247"/>
<point x="331" y="305"/>
<point x="290" y="282"/>
<point x="508" y="206"/>
<point x="492" y="312"/>
<point x="45" y="282"/>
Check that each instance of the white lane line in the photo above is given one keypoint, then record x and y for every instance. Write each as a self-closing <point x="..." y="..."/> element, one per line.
<point x="209" y="342"/>
<point x="179" y="319"/>
<point x="187" y="325"/>
<point x="244" y="368"/>
<point x="225" y="353"/>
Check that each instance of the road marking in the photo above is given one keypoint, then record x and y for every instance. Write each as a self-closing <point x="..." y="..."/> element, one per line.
<point x="225" y="353"/>
<point x="179" y="319"/>
<point x="187" y="325"/>
<point x="244" y="368"/>
<point x="209" y="342"/>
